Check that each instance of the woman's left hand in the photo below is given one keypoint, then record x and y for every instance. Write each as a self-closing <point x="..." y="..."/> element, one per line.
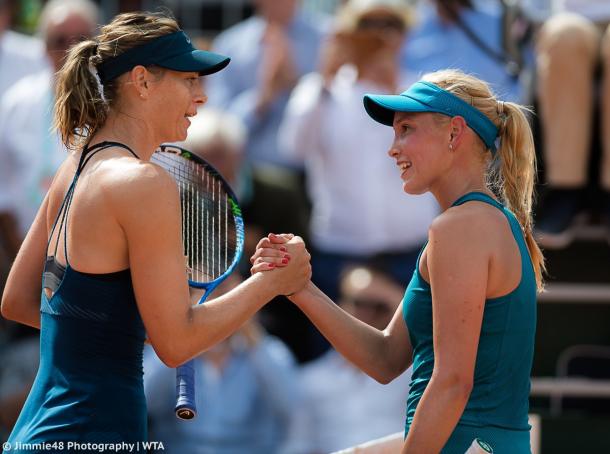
<point x="270" y="253"/>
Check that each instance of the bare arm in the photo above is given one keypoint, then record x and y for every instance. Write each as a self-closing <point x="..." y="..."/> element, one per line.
<point x="458" y="276"/>
<point x="21" y="297"/>
<point x="148" y="210"/>
<point x="383" y="355"/>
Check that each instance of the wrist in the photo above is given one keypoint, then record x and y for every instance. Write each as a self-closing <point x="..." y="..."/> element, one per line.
<point x="301" y="297"/>
<point x="266" y="285"/>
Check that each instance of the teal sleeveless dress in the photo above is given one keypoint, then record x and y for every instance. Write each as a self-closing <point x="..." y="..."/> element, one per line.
<point x="89" y="385"/>
<point x="497" y="410"/>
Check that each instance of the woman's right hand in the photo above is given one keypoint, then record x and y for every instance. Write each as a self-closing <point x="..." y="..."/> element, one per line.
<point x="287" y="256"/>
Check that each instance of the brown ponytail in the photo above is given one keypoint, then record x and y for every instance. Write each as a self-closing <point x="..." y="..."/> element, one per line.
<point x="79" y="107"/>
<point x="82" y="103"/>
<point x="512" y="170"/>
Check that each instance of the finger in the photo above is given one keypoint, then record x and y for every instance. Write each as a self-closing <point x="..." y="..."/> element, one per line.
<point x="268" y="252"/>
<point x="265" y="243"/>
<point x="260" y="267"/>
<point x="281" y="238"/>
<point x="277" y="261"/>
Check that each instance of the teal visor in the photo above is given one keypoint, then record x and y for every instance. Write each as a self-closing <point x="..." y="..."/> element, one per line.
<point x="427" y="97"/>
<point x="172" y="51"/>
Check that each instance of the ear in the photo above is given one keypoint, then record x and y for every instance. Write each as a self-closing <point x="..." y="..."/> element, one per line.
<point x="457" y="128"/>
<point x="139" y="78"/>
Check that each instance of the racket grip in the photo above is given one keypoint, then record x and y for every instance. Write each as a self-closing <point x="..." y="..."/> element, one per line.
<point x="185" y="391"/>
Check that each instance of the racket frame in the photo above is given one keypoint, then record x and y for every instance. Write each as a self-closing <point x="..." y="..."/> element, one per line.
<point x="185" y="389"/>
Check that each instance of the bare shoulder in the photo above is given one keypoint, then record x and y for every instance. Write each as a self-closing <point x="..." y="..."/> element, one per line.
<point x="468" y="224"/>
<point x="128" y="181"/>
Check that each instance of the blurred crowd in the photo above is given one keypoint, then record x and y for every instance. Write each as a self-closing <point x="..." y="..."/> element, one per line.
<point x="285" y="125"/>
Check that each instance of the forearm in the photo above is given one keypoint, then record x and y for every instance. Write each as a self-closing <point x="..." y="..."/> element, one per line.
<point x="21" y="306"/>
<point x="27" y="315"/>
<point x="360" y="343"/>
<point x="207" y="324"/>
<point x="437" y="414"/>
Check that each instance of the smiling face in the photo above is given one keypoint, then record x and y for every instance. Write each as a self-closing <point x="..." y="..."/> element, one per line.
<point x="421" y="150"/>
<point x="177" y="97"/>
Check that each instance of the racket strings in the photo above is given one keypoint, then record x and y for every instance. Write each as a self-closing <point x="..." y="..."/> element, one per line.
<point x="208" y="224"/>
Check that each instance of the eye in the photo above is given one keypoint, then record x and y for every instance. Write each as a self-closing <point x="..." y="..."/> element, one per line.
<point x="193" y="79"/>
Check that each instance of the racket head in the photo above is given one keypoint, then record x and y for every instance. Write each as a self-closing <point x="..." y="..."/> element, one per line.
<point x="212" y="222"/>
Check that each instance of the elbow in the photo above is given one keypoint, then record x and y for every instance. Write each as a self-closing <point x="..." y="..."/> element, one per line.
<point x="459" y="385"/>
<point x="170" y="354"/>
<point x="8" y="308"/>
<point x="171" y="359"/>
<point x="384" y="379"/>
<point x="387" y="375"/>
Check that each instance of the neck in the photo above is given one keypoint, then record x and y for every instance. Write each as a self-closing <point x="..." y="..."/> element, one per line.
<point x="130" y="130"/>
<point x="451" y="188"/>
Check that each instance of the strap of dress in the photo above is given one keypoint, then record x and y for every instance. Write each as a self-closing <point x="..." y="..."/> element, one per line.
<point x="86" y="155"/>
<point x="480" y="197"/>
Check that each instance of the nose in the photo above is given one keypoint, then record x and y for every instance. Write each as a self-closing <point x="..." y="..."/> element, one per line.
<point x="393" y="151"/>
<point x="199" y="97"/>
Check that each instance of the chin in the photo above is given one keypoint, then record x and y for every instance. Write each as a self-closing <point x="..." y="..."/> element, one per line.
<point x="413" y="190"/>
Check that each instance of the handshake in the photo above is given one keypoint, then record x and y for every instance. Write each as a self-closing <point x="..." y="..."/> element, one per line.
<point x="284" y="254"/>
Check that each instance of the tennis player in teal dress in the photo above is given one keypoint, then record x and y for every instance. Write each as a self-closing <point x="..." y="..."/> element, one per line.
<point x="468" y="317"/>
<point x="107" y="243"/>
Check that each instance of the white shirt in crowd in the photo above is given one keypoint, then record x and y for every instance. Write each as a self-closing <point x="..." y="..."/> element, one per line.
<point x="343" y="407"/>
<point x="20" y="55"/>
<point x="30" y="153"/>
<point x="359" y="206"/>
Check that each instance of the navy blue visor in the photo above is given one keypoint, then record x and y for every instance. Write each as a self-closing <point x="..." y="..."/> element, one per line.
<point x="426" y="97"/>
<point x="172" y="51"/>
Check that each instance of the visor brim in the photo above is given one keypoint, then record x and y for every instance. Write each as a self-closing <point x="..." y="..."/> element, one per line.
<point x="200" y="61"/>
<point x="381" y="108"/>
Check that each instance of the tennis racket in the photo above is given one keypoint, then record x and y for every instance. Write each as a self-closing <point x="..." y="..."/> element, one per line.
<point x="212" y="235"/>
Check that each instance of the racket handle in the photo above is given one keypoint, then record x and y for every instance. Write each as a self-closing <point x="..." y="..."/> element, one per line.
<point x="185" y="391"/>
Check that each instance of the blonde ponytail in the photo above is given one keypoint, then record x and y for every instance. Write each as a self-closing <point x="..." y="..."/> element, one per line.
<point x="512" y="170"/>
<point x="514" y="175"/>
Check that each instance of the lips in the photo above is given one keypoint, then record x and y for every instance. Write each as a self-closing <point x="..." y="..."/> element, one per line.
<point x="404" y="165"/>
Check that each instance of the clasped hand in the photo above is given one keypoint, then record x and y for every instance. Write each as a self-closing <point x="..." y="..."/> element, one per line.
<point x="286" y="255"/>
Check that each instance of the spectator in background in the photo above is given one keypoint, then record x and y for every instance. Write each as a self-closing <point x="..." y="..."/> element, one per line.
<point x="359" y="211"/>
<point x="269" y="52"/>
<point x="342" y="406"/>
<point x="571" y="46"/>
<point x="30" y="152"/>
<point x="20" y="54"/>
<point x="246" y="394"/>
<point x="461" y="34"/>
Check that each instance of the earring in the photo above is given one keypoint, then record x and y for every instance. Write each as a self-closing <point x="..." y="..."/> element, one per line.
<point x="450" y="147"/>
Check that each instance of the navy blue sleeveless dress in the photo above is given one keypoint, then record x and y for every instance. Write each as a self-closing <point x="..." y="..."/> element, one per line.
<point x="89" y="385"/>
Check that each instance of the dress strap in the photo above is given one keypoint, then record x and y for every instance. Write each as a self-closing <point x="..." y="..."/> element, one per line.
<point x="61" y="219"/>
<point x="478" y="196"/>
